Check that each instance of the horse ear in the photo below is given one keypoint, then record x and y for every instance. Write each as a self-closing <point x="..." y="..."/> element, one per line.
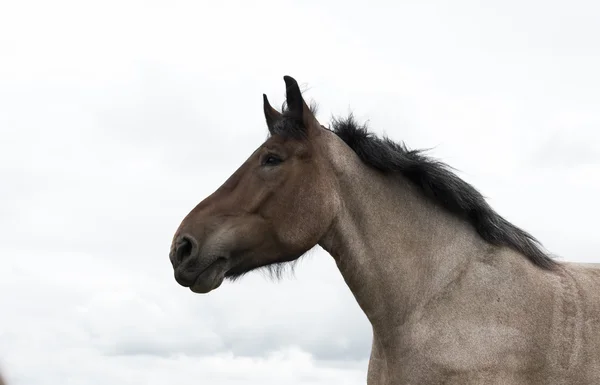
<point x="293" y="96"/>
<point x="296" y="104"/>
<point x="271" y="115"/>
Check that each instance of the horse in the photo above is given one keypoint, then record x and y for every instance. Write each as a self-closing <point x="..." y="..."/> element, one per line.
<point x="454" y="292"/>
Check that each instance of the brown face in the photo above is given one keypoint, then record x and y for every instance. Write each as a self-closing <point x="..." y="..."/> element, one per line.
<point x="274" y="208"/>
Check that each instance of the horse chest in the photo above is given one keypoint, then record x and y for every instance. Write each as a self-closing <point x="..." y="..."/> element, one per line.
<point x="460" y="352"/>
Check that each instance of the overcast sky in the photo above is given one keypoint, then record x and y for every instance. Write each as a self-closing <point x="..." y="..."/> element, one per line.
<point x="117" y="117"/>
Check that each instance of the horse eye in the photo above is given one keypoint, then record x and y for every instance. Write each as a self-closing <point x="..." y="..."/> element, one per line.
<point x="272" y="160"/>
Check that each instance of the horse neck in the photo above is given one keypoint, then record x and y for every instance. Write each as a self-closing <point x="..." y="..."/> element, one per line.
<point x="394" y="248"/>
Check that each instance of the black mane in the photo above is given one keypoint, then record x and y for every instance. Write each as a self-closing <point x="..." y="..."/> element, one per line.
<point x="439" y="183"/>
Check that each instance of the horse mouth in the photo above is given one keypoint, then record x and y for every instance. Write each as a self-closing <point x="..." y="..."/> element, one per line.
<point x="211" y="277"/>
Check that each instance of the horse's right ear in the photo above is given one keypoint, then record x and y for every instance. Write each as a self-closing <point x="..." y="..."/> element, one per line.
<point x="271" y="115"/>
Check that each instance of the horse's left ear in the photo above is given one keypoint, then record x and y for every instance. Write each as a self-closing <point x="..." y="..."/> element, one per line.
<point x="271" y="115"/>
<point x="297" y="106"/>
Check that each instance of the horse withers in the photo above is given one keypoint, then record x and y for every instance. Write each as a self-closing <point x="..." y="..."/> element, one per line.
<point x="454" y="292"/>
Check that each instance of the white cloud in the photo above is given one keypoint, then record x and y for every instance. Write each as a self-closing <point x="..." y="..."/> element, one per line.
<point x="117" y="118"/>
<point x="83" y="310"/>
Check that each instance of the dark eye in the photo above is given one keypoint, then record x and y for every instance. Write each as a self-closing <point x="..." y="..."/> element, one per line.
<point x="271" y="160"/>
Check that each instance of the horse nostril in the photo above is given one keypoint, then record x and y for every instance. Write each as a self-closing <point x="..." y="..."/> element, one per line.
<point x="183" y="248"/>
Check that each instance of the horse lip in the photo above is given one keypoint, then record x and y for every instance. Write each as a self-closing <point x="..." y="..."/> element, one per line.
<point x="206" y="269"/>
<point x="209" y="266"/>
<point x="194" y="275"/>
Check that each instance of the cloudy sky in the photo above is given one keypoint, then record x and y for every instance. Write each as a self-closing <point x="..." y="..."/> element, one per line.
<point x="117" y="117"/>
